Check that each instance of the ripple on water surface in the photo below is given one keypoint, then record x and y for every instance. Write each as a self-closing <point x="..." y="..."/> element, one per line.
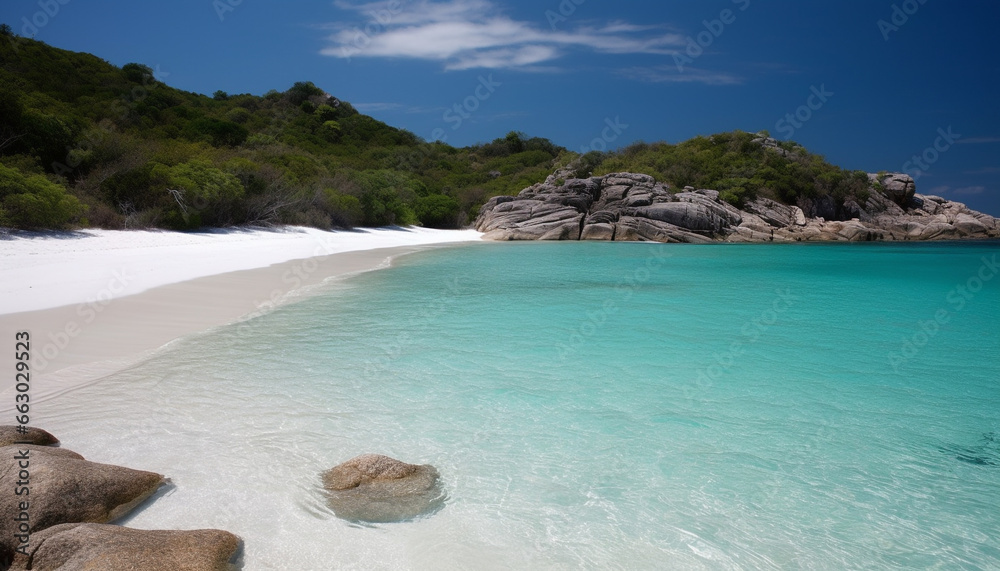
<point x="599" y="406"/>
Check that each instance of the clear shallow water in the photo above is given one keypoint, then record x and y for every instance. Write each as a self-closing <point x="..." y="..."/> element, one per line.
<point x="595" y="406"/>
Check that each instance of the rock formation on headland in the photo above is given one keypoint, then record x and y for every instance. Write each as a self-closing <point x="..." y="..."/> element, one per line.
<point x="378" y="489"/>
<point x="635" y="207"/>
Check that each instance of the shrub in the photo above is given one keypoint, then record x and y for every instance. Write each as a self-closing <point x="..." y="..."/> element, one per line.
<point x="326" y="113"/>
<point x="137" y="72"/>
<point x="345" y="210"/>
<point x="201" y="193"/>
<point x="385" y="208"/>
<point x="221" y="133"/>
<point x="202" y="182"/>
<point x="259" y="140"/>
<point x="238" y="115"/>
<point x="302" y="91"/>
<point x="331" y="130"/>
<point x="437" y="211"/>
<point x="33" y="201"/>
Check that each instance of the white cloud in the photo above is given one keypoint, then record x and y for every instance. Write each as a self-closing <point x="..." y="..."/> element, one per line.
<point x="963" y="191"/>
<point x="670" y="74"/>
<point x="985" y="170"/>
<point x="377" y="107"/>
<point x="374" y="107"/>
<point x="464" y="34"/>
<point x="969" y="190"/>
<point x="978" y="140"/>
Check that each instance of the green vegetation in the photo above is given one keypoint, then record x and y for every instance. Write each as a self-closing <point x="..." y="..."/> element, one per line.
<point x="33" y="201"/>
<point x="83" y="142"/>
<point x="738" y="166"/>
<point x="86" y="143"/>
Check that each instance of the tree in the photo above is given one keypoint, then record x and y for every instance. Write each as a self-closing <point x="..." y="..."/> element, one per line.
<point x="387" y="196"/>
<point x="31" y="202"/>
<point x="12" y="111"/>
<point x="515" y="142"/>
<point x="137" y="72"/>
<point x="6" y="31"/>
<point x="437" y="211"/>
<point x="383" y="207"/>
<point x="203" y="183"/>
<point x="326" y="113"/>
<point x="345" y="210"/>
<point x="331" y="130"/>
<point x="301" y="91"/>
<point x="201" y="193"/>
<point x="220" y="95"/>
<point x="221" y="133"/>
<point x="238" y="115"/>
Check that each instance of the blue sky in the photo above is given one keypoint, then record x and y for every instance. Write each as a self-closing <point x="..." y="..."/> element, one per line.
<point x="869" y="84"/>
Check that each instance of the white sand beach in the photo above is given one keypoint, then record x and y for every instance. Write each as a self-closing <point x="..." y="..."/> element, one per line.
<point x="97" y="301"/>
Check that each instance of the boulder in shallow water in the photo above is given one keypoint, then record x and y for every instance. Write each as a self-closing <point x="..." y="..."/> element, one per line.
<point x="378" y="489"/>
<point x="91" y="547"/>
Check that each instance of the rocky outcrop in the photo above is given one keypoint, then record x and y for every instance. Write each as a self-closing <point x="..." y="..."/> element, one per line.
<point x="634" y="207"/>
<point x="378" y="489"/>
<point x="28" y="435"/>
<point x="63" y="487"/>
<point x="53" y="515"/>
<point x="86" y="547"/>
<point x="899" y="188"/>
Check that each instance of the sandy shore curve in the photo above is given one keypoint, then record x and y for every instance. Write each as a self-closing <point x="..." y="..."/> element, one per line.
<point x="96" y="302"/>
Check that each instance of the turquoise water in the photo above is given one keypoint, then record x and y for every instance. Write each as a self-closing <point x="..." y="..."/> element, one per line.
<point x="594" y="406"/>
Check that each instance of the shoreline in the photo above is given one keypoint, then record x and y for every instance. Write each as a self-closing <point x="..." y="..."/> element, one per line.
<point x="76" y="344"/>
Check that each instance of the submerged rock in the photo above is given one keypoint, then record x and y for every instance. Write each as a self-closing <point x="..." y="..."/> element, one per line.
<point x="87" y="547"/>
<point x="378" y="489"/>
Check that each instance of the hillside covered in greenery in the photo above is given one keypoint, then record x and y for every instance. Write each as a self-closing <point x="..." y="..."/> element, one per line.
<point x="85" y="143"/>
<point x="741" y="166"/>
